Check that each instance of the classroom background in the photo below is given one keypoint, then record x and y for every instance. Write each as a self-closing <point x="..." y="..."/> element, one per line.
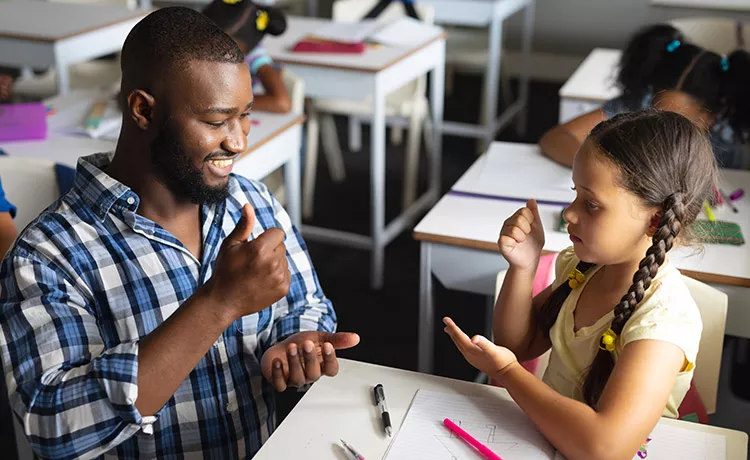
<point x="385" y="313"/>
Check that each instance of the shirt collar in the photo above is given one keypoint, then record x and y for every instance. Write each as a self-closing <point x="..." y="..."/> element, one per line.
<point x="100" y="191"/>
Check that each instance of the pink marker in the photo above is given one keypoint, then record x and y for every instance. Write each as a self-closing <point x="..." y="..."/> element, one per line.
<point x="484" y="450"/>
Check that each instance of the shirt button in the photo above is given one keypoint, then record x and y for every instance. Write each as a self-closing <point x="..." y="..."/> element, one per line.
<point x="231" y="406"/>
<point x="130" y="200"/>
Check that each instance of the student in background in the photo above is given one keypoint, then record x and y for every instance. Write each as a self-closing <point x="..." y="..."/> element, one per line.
<point x="247" y="23"/>
<point x="623" y="345"/>
<point x="6" y="87"/>
<point x="660" y="69"/>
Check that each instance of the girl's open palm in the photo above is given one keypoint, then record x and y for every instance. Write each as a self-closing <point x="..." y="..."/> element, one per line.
<point x="522" y="237"/>
<point x="481" y="353"/>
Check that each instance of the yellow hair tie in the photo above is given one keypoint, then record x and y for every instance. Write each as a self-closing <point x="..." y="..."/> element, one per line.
<point x="576" y="278"/>
<point x="261" y="21"/>
<point x="608" y="341"/>
<point x="231" y="2"/>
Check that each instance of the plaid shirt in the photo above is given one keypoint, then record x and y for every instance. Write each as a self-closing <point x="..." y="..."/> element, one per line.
<point x="89" y="278"/>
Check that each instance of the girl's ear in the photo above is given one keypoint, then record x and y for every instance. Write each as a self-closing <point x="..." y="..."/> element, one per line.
<point x="654" y="223"/>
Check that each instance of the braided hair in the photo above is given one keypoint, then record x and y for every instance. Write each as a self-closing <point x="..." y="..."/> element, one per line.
<point x="665" y="161"/>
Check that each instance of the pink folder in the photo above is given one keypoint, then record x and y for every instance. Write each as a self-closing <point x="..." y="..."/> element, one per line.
<point x="21" y="122"/>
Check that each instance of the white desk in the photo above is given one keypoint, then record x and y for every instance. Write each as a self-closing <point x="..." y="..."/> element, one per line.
<point x="342" y="408"/>
<point x="591" y="85"/>
<point x="274" y="141"/>
<point x="725" y="5"/>
<point x="490" y="14"/>
<point x="376" y="72"/>
<point x="459" y="241"/>
<point x="43" y="34"/>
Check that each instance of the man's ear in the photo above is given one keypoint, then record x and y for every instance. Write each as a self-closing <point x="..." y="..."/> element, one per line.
<point x="140" y="106"/>
<point x="654" y="223"/>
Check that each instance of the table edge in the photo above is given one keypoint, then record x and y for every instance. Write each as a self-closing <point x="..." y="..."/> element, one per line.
<point x="299" y="119"/>
<point x="50" y="39"/>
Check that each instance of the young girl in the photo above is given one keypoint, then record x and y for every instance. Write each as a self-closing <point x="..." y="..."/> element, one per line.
<point x="247" y="23"/>
<point x="660" y="69"/>
<point x="623" y="328"/>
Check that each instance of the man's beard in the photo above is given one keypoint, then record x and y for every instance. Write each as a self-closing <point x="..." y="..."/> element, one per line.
<point x="177" y="172"/>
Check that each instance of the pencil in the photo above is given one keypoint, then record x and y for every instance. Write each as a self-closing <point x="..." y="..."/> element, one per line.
<point x="709" y="212"/>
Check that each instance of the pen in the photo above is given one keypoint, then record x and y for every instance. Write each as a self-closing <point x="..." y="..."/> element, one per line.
<point x="481" y="448"/>
<point x="380" y="400"/>
<point x="727" y="200"/>
<point x="351" y="449"/>
<point x="708" y="211"/>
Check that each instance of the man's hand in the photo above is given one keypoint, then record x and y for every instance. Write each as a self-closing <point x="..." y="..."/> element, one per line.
<point x="250" y="275"/>
<point x="304" y="357"/>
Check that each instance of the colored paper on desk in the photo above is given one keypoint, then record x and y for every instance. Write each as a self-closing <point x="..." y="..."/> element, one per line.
<point x="498" y="424"/>
<point x="22" y="122"/>
<point x="718" y="232"/>
<point x="311" y="44"/>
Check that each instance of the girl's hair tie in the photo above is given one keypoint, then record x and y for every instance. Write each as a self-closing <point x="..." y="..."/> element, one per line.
<point x="576" y="278"/>
<point x="608" y="341"/>
<point x="724" y="64"/>
<point x="671" y="47"/>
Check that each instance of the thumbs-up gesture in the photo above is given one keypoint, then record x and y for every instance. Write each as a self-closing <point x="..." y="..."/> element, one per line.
<point x="250" y="275"/>
<point x="522" y="237"/>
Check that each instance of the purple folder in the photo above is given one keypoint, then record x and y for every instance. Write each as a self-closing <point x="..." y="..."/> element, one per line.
<point x="21" y="122"/>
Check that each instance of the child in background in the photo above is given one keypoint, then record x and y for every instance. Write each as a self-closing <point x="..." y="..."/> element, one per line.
<point x="660" y="69"/>
<point x="623" y="345"/>
<point x="247" y="23"/>
<point x="6" y="87"/>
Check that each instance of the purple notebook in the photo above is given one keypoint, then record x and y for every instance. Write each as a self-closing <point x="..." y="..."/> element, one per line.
<point x="22" y="122"/>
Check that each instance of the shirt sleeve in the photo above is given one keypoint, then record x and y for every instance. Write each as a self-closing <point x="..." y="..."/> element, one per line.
<point x="257" y="58"/>
<point x="72" y="394"/>
<point x="5" y="205"/>
<point x="305" y="307"/>
<point x="672" y="319"/>
<point x="564" y="264"/>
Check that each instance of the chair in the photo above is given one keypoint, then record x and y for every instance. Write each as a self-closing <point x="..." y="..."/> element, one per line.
<point x="295" y="86"/>
<point x="712" y="305"/>
<point x="720" y="35"/>
<point x="408" y="102"/>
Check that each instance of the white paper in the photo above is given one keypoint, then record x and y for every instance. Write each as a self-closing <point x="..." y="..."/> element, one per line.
<point x="72" y="112"/>
<point x="347" y="32"/>
<point x="671" y="442"/>
<point x="405" y="33"/>
<point x="516" y="172"/>
<point x="498" y="424"/>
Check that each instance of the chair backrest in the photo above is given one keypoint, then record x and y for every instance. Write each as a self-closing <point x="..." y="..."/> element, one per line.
<point x="30" y="184"/>
<point x="712" y="305"/>
<point x="295" y="86"/>
<point x="354" y="10"/>
<point x="715" y="34"/>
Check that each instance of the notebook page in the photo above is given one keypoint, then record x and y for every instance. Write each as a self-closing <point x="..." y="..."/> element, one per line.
<point x="500" y="425"/>
<point x="670" y="442"/>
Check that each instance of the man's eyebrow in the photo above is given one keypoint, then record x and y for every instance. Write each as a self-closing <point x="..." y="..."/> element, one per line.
<point x="225" y="110"/>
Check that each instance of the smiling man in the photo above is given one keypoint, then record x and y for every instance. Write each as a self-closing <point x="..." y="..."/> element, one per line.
<point x="152" y="311"/>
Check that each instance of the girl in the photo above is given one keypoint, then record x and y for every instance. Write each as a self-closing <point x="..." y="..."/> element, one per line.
<point x="618" y="362"/>
<point x="247" y="23"/>
<point x="660" y="69"/>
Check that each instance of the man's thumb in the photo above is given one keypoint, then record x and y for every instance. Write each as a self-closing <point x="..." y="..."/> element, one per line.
<point x="244" y="227"/>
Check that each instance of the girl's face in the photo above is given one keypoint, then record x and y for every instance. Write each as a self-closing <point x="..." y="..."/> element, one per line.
<point x="607" y="224"/>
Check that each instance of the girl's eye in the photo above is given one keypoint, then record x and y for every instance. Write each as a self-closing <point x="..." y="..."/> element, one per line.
<point x="591" y="206"/>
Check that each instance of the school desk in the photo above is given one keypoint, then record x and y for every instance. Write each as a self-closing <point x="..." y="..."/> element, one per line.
<point x="274" y="141"/>
<point x="459" y="235"/>
<point x="44" y="34"/>
<point x="343" y="407"/>
<point x="714" y="6"/>
<point x="375" y="73"/>
<point x="490" y="14"/>
<point x="591" y="85"/>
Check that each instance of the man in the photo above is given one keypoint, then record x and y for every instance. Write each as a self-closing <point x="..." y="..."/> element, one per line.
<point x="152" y="310"/>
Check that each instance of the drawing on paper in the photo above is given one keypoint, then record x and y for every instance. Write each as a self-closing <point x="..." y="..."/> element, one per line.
<point x="458" y="449"/>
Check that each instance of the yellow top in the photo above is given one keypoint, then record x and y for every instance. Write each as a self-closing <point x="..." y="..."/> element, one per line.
<point x="667" y="312"/>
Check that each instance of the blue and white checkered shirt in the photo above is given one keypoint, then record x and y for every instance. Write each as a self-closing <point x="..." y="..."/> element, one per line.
<point x="89" y="278"/>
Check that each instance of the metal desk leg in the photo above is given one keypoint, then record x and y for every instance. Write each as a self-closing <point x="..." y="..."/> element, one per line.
<point x="377" y="186"/>
<point x="437" y="95"/>
<point x="292" y="181"/>
<point x="492" y="79"/>
<point x="426" y="311"/>
<point x="523" y="93"/>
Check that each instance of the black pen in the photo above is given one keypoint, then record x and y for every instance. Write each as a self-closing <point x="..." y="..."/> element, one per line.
<point x="380" y="400"/>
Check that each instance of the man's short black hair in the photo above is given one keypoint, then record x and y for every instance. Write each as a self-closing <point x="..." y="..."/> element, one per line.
<point x="170" y="38"/>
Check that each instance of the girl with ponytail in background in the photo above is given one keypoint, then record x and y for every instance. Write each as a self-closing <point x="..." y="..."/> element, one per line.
<point x="660" y="69"/>
<point x="623" y="327"/>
